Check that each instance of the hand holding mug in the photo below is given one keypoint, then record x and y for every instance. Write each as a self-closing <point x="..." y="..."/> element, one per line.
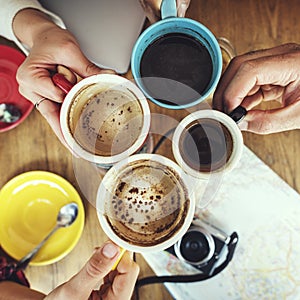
<point x="114" y="284"/>
<point x="264" y="75"/>
<point x="117" y="284"/>
<point x="104" y="118"/>
<point x="46" y="41"/>
<point x="152" y="8"/>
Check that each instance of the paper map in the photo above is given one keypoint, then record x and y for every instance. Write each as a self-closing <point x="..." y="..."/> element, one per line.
<point x="265" y="212"/>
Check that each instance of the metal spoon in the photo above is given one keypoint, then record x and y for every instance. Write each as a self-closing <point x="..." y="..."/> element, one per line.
<point x="9" y="113"/>
<point x="66" y="216"/>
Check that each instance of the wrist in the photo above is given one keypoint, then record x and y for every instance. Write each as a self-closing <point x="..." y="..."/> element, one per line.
<point x="29" y="23"/>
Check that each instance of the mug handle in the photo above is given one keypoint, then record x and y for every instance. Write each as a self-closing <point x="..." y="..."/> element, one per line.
<point x="168" y="9"/>
<point x="238" y="114"/>
<point x="61" y="80"/>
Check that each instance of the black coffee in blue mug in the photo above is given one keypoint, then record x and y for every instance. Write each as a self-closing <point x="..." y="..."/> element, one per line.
<point x="176" y="62"/>
<point x="179" y="60"/>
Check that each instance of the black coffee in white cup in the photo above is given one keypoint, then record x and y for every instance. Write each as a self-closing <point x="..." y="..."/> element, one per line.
<point x="207" y="142"/>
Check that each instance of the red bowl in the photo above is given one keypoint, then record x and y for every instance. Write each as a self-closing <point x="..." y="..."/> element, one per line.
<point x="10" y="60"/>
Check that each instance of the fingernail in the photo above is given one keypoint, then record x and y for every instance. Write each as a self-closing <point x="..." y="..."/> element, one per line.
<point x="110" y="250"/>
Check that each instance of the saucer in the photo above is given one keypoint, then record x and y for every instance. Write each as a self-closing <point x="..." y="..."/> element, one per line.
<point x="29" y="204"/>
<point x="10" y="60"/>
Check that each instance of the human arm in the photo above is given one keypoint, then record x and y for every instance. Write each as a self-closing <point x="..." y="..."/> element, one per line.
<point x="14" y="291"/>
<point x="10" y="8"/>
<point x="117" y="284"/>
<point x="50" y="45"/>
<point x="152" y="8"/>
<point x="264" y="75"/>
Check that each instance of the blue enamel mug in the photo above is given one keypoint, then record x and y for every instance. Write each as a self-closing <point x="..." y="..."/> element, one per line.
<point x="176" y="79"/>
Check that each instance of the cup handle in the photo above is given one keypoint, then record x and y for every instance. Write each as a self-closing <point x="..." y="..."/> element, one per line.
<point x="65" y="79"/>
<point x="119" y="258"/>
<point x="238" y="114"/>
<point x="64" y="84"/>
<point x="168" y="9"/>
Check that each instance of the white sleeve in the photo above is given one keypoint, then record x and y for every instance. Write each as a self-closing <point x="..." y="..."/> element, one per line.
<point x="9" y="8"/>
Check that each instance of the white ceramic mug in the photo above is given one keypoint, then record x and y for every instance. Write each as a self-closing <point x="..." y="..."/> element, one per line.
<point x="144" y="203"/>
<point x="208" y="131"/>
<point x="106" y="111"/>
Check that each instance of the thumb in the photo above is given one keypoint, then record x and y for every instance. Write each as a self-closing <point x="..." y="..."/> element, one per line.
<point x="271" y="121"/>
<point x="84" y="67"/>
<point x="98" y="266"/>
<point x="182" y="7"/>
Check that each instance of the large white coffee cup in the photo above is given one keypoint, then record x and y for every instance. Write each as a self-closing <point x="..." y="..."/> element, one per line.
<point x="105" y="118"/>
<point x="144" y="203"/>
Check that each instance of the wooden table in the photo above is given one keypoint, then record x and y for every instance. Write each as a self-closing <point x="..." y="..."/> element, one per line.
<point x="249" y="25"/>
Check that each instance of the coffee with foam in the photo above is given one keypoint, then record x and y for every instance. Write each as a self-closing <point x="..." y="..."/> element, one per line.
<point x="147" y="203"/>
<point x="105" y="120"/>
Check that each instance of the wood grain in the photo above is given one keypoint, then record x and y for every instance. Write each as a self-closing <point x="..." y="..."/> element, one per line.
<point x="249" y="25"/>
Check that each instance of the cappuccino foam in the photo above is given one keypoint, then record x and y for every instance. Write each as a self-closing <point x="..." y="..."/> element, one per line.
<point x="105" y="120"/>
<point x="148" y="204"/>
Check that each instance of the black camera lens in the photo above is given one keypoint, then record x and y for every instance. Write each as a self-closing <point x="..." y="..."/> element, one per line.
<point x="194" y="246"/>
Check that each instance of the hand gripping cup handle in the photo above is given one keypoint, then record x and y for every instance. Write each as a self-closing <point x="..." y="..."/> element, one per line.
<point x="65" y="79"/>
<point x="116" y="130"/>
<point x="238" y="114"/>
<point x="60" y="81"/>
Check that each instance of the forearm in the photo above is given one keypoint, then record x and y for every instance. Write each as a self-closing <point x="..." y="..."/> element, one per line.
<point x="11" y="8"/>
<point x="28" y="23"/>
<point x="14" y="291"/>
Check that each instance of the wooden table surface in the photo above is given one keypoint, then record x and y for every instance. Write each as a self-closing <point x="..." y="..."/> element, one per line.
<point x="249" y="25"/>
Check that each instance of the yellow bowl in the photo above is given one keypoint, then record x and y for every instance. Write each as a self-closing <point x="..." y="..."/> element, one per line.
<point x="29" y="204"/>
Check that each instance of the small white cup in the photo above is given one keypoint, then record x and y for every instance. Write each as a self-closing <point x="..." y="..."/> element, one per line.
<point x="90" y="86"/>
<point x="144" y="197"/>
<point x="194" y="119"/>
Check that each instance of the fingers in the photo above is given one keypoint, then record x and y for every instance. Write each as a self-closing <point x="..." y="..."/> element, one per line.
<point x="264" y="93"/>
<point x="271" y="121"/>
<point x="247" y="72"/>
<point x="34" y="80"/>
<point x="265" y="75"/>
<point x="34" y="75"/>
<point x="124" y="282"/>
<point x="231" y="71"/>
<point x="83" y="283"/>
<point x="51" y="112"/>
<point x="151" y="9"/>
<point x="182" y="6"/>
<point x="120" y="284"/>
<point x="100" y="263"/>
<point x="78" y="63"/>
<point x="68" y="74"/>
